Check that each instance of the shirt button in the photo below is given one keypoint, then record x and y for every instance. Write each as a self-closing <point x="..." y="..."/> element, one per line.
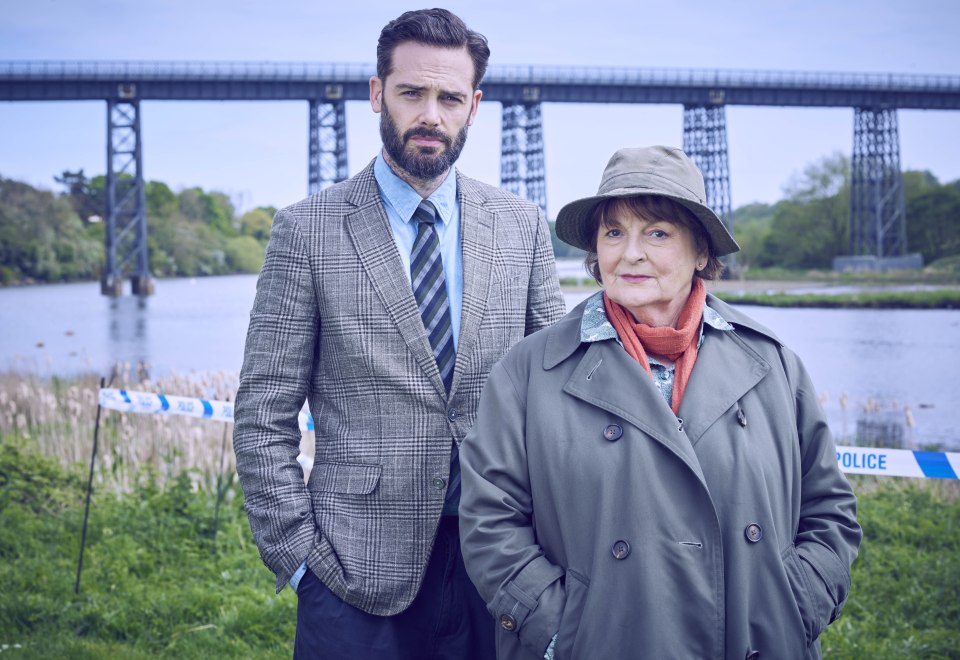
<point x="452" y="414"/>
<point x="507" y="622"/>
<point x="621" y="549"/>
<point x="613" y="432"/>
<point x="753" y="532"/>
<point x="439" y="483"/>
<point x="664" y="375"/>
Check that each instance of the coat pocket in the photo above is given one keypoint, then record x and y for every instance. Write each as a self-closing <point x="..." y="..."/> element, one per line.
<point x="345" y="478"/>
<point x="802" y="593"/>
<point x="576" y="588"/>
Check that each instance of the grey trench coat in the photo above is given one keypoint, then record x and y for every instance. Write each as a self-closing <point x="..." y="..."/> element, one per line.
<point x="590" y="510"/>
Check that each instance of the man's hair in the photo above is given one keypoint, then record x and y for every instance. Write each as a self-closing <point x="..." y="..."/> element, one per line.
<point x="432" y="27"/>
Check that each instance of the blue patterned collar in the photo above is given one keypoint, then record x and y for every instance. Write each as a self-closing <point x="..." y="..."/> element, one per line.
<point x="594" y="326"/>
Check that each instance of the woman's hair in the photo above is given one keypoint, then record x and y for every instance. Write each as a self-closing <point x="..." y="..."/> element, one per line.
<point x="432" y="27"/>
<point x="652" y="208"/>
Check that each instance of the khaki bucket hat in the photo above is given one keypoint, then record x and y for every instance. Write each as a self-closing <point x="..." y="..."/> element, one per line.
<point x="661" y="171"/>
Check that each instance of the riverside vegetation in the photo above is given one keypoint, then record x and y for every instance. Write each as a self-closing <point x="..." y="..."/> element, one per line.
<point x="53" y="237"/>
<point x="170" y="568"/>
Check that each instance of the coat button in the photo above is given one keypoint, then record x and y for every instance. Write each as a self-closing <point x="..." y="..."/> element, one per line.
<point x="753" y="532"/>
<point x="508" y="623"/>
<point x="613" y="432"/>
<point x="752" y="655"/>
<point x="439" y="483"/>
<point x="452" y="414"/>
<point x="621" y="549"/>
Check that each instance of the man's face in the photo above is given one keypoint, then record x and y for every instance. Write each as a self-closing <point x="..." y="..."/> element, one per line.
<point x="426" y="104"/>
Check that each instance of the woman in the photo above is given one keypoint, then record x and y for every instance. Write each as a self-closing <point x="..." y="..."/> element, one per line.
<point x="653" y="476"/>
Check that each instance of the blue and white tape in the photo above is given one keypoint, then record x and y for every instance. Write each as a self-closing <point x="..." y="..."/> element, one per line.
<point x="899" y="462"/>
<point x="161" y="404"/>
<point x="853" y="460"/>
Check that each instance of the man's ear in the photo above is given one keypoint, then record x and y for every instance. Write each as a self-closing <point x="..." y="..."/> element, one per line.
<point x="476" y="103"/>
<point x="376" y="94"/>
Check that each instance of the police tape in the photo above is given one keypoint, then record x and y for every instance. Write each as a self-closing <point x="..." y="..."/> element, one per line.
<point x="161" y="404"/>
<point x="853" y="460"/>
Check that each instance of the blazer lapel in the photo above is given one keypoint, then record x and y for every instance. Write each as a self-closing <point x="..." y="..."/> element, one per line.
<point x="477" y="231"/>
<point x="369" y="231"/>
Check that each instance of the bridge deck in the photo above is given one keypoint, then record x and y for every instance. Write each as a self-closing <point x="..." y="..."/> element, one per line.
<point x="248" y="81"/>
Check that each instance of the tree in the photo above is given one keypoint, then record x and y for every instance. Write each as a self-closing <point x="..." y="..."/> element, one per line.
<point x="811" y="226"/>
<point x="256" y="223"/>
<point x="42" y="238"/>
<point x="933" y="222"/>
<point x="85" y="195"/>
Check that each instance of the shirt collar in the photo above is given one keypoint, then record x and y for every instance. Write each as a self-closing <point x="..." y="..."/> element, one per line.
<point x="594" y="326"/>
<point x="398" y="194"/>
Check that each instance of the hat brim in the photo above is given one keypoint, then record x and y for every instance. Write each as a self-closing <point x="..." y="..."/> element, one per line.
<point x="575" y="225"/>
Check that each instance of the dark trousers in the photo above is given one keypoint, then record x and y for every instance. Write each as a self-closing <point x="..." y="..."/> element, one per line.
<point x="447" y="620"/>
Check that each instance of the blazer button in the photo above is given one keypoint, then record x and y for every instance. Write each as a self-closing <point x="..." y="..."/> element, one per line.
<point x="508" y="623"/>
<point x="752" y="655"/>
<point x="753" y="532"/>
<point x="613" y="432"/>
<point x="439" y="483"/>
<point x="452" y="415"/>
<point x="621" y="549"/>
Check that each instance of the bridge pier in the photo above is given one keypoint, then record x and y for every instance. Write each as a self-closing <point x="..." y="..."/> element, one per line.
<point x="878" y="226"/>
<point x="522" y="167"/>
<point x="705" y="141"/>
<point x="126" y="217"/>
<point x="328" y="140"/>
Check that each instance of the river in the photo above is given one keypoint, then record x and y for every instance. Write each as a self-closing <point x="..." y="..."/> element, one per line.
<point x="893" y="368"/>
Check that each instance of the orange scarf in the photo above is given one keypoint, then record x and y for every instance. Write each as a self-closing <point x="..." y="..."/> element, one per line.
<point x="678" y="344"/>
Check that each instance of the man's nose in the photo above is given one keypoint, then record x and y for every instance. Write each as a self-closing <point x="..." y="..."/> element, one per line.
<point x="430" y="112"/>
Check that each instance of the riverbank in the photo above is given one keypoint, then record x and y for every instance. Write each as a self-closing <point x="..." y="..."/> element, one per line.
<point x="810" y="293"/>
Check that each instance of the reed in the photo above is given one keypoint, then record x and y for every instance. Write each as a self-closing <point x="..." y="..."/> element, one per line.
<point x="58" y="415"/>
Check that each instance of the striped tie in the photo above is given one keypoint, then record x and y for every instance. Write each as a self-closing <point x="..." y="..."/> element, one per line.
<point x="430" y="290"/>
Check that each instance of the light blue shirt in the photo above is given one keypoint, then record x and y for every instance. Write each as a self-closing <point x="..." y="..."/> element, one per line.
<point x="400" y="201"/>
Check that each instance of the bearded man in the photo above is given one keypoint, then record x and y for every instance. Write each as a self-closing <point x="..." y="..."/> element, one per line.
<point x="384" y="301"/>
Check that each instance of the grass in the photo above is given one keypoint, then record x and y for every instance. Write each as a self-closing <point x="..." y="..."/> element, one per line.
<point x="155" y="582"/>
<point x="905" y="600"/>
<point x="939" y="299"/>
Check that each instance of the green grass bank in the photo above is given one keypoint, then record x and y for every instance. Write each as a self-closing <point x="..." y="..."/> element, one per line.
<point x="159" y="582"/>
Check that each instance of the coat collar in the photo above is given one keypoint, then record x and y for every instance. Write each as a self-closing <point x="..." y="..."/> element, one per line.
<point x="369" y="230"/>
<point x="727" y="368"/>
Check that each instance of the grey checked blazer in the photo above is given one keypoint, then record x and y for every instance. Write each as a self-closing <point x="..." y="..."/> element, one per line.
<point x="335" y="322"/>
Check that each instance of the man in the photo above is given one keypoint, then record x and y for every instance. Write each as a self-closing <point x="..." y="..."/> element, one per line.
<point x="384" y="301"/>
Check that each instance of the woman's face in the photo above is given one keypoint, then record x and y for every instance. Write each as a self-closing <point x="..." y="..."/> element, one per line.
<point x="647" y="265"/>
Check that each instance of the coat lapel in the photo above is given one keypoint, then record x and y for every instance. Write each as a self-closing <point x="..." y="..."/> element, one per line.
<point x="726" y="369"/>
<point x="369" y="231"/>
<point x="607" y="377"/>
<point x="477" y="231"/>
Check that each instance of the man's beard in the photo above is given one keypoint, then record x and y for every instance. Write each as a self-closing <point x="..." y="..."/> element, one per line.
<point x="419" y="164"/>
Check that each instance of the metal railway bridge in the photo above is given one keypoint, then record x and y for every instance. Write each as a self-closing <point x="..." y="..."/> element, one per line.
<point x="877" y="221"/>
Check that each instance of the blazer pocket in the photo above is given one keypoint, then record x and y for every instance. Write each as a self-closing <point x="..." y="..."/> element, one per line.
<point x="346" y="478"/>
<point x="576" y="587"/>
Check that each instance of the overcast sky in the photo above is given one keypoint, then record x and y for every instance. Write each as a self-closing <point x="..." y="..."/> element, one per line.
<point x="257" y="152"/>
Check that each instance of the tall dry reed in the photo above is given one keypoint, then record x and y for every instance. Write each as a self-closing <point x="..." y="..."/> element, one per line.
<point x="58" y="417"/>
